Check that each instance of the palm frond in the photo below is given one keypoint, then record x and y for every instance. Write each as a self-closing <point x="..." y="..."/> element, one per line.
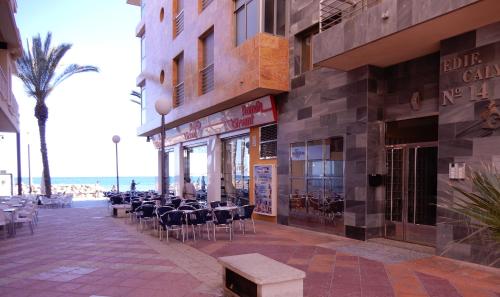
<point x="71" y="70"/>
<point x="482" y="205"/>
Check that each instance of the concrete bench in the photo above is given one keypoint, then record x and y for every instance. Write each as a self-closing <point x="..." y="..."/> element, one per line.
<point x="120" y="210"/>
<point x="255" y="275"/>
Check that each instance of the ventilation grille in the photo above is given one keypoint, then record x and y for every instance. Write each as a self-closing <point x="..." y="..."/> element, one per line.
<point x="269" y="141"/>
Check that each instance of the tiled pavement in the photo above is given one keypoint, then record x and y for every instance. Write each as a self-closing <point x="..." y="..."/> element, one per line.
<point x="84" y="252"/>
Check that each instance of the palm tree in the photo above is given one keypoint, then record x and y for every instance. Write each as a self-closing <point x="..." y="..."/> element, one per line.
<point x="37" y="70"/>
<point x="137" y="95"/>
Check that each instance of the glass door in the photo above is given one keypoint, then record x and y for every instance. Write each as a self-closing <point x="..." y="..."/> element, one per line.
<point x="236" y="170"/>
<point x="411" y="193"/>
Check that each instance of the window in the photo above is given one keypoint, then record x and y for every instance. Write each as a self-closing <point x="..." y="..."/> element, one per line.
<point x="247" y="19"/>
<point x="143" y="52"/>
<point x="236" y="169"/>
<point x="268" y="141"/>
<point x="305" y="51"/>
<point x="317" y="169"/>
<point x="143" y="104"/>
<point x="274" y="16"/>
<point x="178" y="80"/>
<point x="207" y="62"/>
<point x="179" y="17"/>
<point x="205" y="3"/>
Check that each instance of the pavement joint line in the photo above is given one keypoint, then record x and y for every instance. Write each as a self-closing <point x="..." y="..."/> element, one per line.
<point x="180" y="254"/>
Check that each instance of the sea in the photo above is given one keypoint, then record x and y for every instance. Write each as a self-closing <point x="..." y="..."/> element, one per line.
<point x="143" y="183"/>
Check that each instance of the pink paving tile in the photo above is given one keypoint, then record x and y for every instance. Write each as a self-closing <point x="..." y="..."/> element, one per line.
<point x="437" y="287"/>
<point x="115" y="291"/>
<point x="90" y="289"/>
<point x="86" y="279"/>
<point x="377" y="291"/>
<point x="134" y="282"/>
<point x="47" y="294"/>
<point x="143" y="292"/>
<point x="67" y="287"/>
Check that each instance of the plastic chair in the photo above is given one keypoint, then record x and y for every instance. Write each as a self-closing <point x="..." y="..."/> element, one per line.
<point x="223" y="220"/>
<point x="147" y="214"/>
<point x="199" y="218"/>
<point x="247" y="215"/>
<point x="172" y="221"/>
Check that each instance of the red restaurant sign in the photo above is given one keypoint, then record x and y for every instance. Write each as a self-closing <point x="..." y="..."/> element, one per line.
<point x="253" y="113"/>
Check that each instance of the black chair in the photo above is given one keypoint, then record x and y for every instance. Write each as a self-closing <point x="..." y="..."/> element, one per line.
<point x="176" y="202"/>
<point x="116" y="200"/>
<point x="223" y="219"/>
<point x="190" y="201"/>
<point x="247" y="215"/>
<point x="214" y="204"/>
<point x="199" y="218"/>
<point x="194" y="204"/>
<point x="223" y="203"/>
<point x="147" y="214"/>
<point x="133" y="208"/>
<point x="172" y="221"/>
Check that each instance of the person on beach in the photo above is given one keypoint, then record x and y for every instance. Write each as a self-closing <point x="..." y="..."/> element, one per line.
<point x="189" y="191"/>
<point x="132" y="186"/>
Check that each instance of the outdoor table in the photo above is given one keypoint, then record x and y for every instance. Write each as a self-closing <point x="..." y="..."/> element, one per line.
<point x="230" y="208"/>
<point x="12" y="225"/>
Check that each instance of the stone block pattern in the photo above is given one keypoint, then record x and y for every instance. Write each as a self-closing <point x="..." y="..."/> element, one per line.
<point x="463" y="137"/>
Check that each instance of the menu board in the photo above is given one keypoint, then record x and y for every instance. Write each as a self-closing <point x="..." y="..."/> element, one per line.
<point x="265" y="189"/>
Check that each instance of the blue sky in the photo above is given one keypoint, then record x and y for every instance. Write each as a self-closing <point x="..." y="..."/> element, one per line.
<point x="86" y="110"/>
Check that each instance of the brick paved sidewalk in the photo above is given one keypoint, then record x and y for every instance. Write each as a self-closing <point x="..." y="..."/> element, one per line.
<point x="84" y="252"/>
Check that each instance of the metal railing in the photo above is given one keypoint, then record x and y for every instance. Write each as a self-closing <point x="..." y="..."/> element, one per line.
<point x="205" y="3"/>
<point x="4" y="86"/>
<point x="333" y="12"/>
<point x="179" y="23"/>
<point x="207" y="79"/>
<point x="179" y="94"/>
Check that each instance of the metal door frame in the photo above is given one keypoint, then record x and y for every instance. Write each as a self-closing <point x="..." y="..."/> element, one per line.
<point x="404" y="187"/>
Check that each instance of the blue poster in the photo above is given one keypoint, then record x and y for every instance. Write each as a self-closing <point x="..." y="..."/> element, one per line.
<point x="263" y="177"/>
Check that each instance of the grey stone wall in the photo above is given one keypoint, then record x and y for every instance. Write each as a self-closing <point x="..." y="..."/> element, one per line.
<point x="464" y="135"/>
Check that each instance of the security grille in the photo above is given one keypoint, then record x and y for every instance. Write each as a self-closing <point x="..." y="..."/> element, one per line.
<point x="269" y="141"/>
<point x="205" y="3"/>
<point x="332" y="12"/>
<point x="179" y="94"/>
<point x="207" y="79"/>
<point x="179" y="23"/>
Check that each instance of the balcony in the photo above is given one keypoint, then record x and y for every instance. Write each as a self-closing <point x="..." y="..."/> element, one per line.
<point x="179" y="23"/>
<point x="9" y="110"/>
<point x="256" y="68"/>
<point x="387" y="32"/>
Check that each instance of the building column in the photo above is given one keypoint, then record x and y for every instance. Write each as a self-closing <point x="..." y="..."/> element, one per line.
<point x="214" y="155"/>
<point x="19" y="175"/>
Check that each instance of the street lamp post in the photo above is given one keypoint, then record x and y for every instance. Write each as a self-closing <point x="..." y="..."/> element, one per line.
<point x="162" y="107"/>
<point x="116" y="139"/>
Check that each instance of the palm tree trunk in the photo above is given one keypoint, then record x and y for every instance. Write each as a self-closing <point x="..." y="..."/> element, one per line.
<point x="41" y="113"/>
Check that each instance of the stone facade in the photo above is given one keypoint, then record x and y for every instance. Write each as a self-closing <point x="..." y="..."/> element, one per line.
<point x="468" y="128"/>
<point x="357" y="104"/>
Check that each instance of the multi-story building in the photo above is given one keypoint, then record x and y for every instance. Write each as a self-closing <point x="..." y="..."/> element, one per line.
<point x="10" y="49"/>
<point x="380" y="105"/>
<point x="219" y="64"/>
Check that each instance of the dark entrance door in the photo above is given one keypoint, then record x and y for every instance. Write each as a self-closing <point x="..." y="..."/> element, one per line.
<point x="411" y="193"/>
<point x="411" y="183"/>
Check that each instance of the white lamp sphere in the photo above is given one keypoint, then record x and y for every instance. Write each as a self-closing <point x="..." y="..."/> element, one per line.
<point x="116" y="139"/>
<point x="162" y="106"/>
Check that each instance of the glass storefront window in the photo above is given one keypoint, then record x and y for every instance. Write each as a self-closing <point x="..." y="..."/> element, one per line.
<point x="236" y="169"/>
<point x="195" y="167"/>
<point x="297" y="159"/>
<point x="318" y="189"/>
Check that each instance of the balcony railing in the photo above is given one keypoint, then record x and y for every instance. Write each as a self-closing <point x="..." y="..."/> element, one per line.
<point x="179" y="94"/>
<point x="4" y="86"/>
<point x="332" y="12"/>
<point x="205" y="3"/>
<point x="207" y="79"/>
<point x="179" y="23"/>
